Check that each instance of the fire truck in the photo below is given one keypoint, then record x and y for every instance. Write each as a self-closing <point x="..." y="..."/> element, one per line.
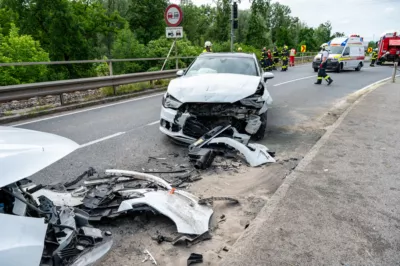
<point x="389" y="47"/>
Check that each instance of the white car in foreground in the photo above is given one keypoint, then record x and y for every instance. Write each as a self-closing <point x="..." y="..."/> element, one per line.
<point x="217" y="88"/>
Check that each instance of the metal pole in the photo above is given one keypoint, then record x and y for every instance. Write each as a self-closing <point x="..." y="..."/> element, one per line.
<point x="110" y="68"/>
<point x="176" y="54"/>
<point x="232" y="30"/>
<point x="394" y="72"/>
<point x="166" y="59"/>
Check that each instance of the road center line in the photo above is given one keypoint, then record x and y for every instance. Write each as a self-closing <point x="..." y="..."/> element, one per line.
<point x="102" y="139"/>
<point x="86" y="110"/>
<point x="279" y="84"/>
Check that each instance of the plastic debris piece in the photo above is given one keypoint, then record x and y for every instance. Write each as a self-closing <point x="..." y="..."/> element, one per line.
<point x="194" y="258"/>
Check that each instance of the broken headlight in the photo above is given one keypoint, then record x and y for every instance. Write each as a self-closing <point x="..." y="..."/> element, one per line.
<point x="170" y="102"/>
<point x="255" y="100"/>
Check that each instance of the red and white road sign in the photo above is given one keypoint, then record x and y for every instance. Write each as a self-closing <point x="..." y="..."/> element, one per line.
<point x="173" y="15"/>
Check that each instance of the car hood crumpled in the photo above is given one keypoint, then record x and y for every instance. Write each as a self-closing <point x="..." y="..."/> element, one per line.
<point x="215" y="88"/>
<point x="24" y="152"/>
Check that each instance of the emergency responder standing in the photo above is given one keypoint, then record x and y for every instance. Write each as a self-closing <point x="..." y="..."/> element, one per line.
<point x="264" y="57"/>
<point x="276" y="58"/>
<point x="292" y="55"/>
<point x="285" y="59"/>
<point x="374" y="57"/>
<point x="270" y="63"/>
<point x="207" y="47"/>
<point x="322" y="67"/>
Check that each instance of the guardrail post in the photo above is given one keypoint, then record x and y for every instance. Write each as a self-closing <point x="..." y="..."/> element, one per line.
<point x="110" y="67"/>
<point x="61" y="99"/>
<point x="394" y="71"/>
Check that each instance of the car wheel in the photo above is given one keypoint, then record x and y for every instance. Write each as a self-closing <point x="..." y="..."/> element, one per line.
<point x="339" y="68"/>
<point x="260" y="134"/>
<point x="315" y="69"/>
<point x="359" y="67"/>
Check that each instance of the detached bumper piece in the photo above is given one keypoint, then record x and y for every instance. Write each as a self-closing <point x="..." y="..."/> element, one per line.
<point x="202" y="158"/>
<point x="204" y="150"/>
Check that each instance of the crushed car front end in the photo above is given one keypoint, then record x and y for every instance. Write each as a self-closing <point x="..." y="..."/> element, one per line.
<point x="188" y="118"/>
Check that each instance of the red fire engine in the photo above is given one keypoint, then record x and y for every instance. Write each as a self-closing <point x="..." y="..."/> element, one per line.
<point x="389" y="48"/>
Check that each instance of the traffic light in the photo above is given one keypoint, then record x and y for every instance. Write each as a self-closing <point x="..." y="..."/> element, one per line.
<point x="235" y="15"/>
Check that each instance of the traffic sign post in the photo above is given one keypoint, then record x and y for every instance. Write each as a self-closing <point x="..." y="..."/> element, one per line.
<point x="303" y="49"/>
<point x="173" y="16"/>
<point x="174" y="32"/>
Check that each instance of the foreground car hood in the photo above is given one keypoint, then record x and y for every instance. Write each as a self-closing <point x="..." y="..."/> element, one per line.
<point x="22" y="240"/>
<point x="24" y="152"/>
<point x="216" y="88"/>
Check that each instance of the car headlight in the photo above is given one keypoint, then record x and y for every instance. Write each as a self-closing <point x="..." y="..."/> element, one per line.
<point x="170" y="102"/>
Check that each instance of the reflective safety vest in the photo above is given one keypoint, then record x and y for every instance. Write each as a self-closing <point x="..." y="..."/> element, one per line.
<point x="205" y="51"/>
<point x="375" y="55"/>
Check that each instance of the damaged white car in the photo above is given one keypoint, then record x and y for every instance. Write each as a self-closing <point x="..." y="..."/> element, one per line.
<point x="35" y="231"/>
<point x="217" y="89"/>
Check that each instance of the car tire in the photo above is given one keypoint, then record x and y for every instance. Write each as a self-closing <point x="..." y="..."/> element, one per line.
<point x="358" y="68"/>
<point x="260" y="134"/>
<point x="339" y="68"/>
<point x="315" y="69"/>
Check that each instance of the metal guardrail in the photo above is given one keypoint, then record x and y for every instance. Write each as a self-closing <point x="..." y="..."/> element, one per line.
<point x="25" y="91"/>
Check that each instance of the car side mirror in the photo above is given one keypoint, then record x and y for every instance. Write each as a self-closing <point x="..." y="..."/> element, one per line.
<point x="180" y="73"/>
<point x="267" y="75"/>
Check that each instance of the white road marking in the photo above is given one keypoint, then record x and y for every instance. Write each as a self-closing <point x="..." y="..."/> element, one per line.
<point x="86" y="110"/>
<point x="153" y="123"/>
<point x="102" y="139"/>
<point x="279" y="84"/>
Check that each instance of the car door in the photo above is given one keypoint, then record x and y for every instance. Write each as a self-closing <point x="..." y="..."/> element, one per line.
<point x="346" y="57"/>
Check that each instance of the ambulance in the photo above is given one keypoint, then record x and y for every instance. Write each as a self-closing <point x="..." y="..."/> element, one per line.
<point x="344" y="53"/>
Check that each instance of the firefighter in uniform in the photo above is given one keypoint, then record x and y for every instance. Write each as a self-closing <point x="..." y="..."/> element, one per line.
<point x="374" y="57"/>
<point x="264" y="57"/>
<point x="322" y="68"/>
<point x="276" y="58"/>
<point x="285" y="58"/>
<point x="207" y="47"/>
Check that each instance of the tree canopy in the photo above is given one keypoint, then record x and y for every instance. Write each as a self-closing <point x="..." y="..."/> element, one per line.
<point x="64" y="30"/>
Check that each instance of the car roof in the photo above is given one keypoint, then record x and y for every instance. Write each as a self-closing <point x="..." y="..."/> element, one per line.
<point x="241" y="55"/>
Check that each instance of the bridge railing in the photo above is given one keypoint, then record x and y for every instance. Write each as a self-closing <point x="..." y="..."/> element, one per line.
<point x="31" y="90"/>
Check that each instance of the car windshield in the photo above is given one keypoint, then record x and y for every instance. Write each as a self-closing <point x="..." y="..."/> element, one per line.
<point x="335" y="49"/>
<point x="228" y="65"/>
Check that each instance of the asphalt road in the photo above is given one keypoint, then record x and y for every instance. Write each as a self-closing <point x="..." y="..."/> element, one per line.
<point x="124" y="134"/>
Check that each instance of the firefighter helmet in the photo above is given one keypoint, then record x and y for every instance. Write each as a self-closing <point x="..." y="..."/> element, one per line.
<point x="324" y="45"/>
<point x="239" y="49"/>
<point x="208" y="44"/>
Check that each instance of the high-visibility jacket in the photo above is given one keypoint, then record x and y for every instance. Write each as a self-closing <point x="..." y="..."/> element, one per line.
<point x="375" y="55"/>
<point x="205" y="51"/>
<point x="292" y="52"/>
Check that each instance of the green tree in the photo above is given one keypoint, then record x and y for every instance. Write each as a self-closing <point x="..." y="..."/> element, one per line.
<point x="322" y="34"/>
<point x="21" y="48"/>
<point x="127" y="46"/>
<point x="146" y="18"/>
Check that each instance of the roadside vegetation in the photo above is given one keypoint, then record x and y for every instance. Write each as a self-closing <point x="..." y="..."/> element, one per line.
<point x="64" y="30"/>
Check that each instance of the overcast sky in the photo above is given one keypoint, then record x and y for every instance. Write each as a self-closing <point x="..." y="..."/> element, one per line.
<point x="369" y="18"/>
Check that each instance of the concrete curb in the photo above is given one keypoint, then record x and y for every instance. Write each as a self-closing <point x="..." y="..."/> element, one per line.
<point x="273" y="202"/>
<point x="14" y="118"/>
